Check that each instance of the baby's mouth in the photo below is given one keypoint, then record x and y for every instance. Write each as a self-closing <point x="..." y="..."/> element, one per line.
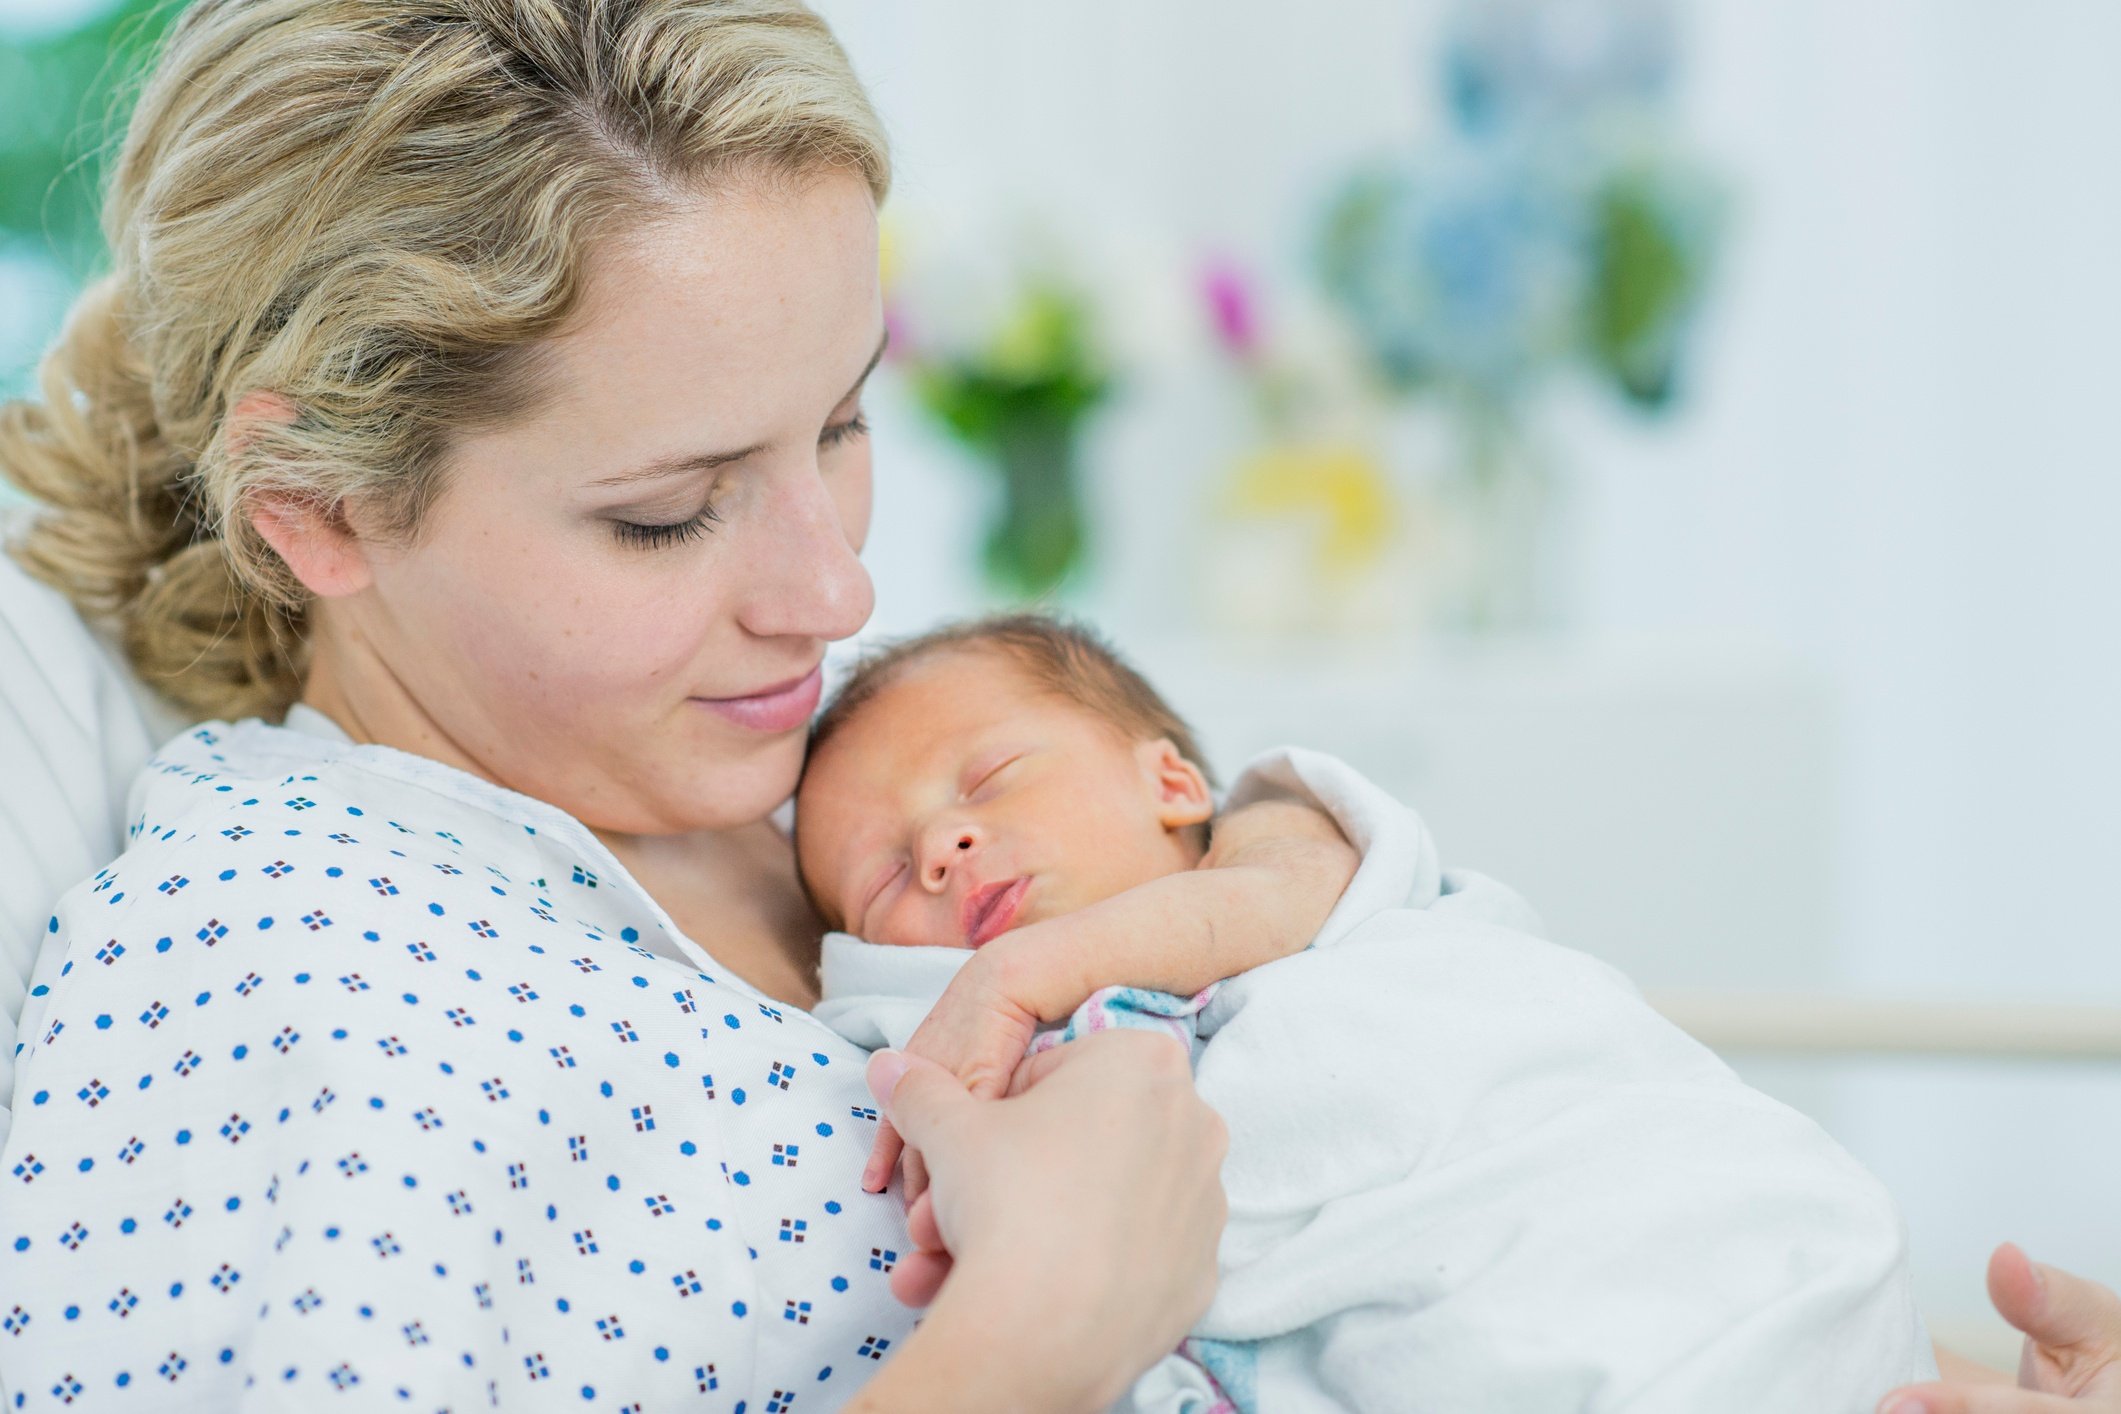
<point x="990" y="910"/>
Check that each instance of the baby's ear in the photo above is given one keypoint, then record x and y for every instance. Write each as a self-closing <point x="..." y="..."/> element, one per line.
<point x="1182" y="794"/>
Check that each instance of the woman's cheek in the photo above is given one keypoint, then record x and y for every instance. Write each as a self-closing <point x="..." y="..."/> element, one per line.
<point x="560" y="629"/>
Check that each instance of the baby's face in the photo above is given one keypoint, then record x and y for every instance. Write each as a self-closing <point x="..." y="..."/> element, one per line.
<point x="963" y="801"/>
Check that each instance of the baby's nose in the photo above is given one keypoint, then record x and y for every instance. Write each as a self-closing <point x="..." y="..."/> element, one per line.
<point x="941" y="867"/>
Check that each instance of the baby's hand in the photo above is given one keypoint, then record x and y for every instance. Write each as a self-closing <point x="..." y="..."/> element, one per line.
<point x="978" y="1032"/>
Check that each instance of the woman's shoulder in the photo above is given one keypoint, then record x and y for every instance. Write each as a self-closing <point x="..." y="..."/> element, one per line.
<point x="250" y="838"/>
<point x="243" y="778"/>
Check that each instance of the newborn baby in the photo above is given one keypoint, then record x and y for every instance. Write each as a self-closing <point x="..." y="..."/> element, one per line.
<point x="1467" y="1169"/>
<point x="1015" y="789"/>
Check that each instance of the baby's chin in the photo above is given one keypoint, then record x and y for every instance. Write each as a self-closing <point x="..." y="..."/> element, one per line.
<point x="902" y="940"/>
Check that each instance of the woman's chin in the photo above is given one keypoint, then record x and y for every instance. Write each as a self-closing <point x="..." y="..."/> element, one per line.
<point x="676" y="783"/>
<point x="726" y="791"/>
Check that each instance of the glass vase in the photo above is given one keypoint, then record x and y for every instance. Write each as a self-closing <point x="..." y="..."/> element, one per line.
<point x="1039" y="533"/>
<point x="1498" y="505"/>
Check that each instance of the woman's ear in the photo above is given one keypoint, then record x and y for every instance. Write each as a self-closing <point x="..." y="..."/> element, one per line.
<point x="1182" y="795"/>
<point x="311" y="536"/>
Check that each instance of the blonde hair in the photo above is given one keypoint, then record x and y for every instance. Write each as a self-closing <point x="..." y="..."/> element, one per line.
<point x="374" y="210"/>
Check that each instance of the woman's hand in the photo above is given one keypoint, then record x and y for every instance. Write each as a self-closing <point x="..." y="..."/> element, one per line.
<point x="1068" y="1233"/>
<point x="977" y="1030"/>
<point x="2072" y="1360"/>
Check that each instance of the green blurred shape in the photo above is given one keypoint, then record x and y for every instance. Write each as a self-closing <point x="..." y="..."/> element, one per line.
<point x="1650" y="259"/>
<point x="1019" y="403"/>
<point x="64" y="98"/>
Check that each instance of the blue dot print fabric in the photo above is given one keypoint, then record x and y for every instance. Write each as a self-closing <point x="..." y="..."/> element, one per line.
<point x="358" y="1080"/>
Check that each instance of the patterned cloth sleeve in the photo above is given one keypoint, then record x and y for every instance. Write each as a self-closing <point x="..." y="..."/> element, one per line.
<point x="356" y="1078"/>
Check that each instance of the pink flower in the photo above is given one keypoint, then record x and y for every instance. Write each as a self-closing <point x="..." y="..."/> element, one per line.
<point x="1231" y="305"/>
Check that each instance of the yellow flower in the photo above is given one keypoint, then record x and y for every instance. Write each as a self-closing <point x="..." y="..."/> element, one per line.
<point x="1342" y="484"/>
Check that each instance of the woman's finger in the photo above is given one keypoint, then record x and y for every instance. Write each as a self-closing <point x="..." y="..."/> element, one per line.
<point x="1974" y="1399"/>
<point x="2057" y="1310"/>
<point x="1031" y="1069"/>
<point x="921" y="1226"/>
<point x="919" y="1276"/>
<point x="918" y="1096"/>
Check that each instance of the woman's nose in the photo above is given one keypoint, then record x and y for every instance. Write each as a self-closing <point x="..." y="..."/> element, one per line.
<point x="943" y="849"/>
<point x="807" y="581"/>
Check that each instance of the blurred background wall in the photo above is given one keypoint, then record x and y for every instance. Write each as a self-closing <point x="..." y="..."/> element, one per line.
<point x="1801" y="671"/>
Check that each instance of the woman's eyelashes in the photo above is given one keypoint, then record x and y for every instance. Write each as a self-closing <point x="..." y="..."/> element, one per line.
<point x="649" y="535"/>
<point x="672" y="533"/>
<point x="838" y="432"/>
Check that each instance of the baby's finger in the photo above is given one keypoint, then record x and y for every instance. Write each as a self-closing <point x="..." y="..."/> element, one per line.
<point x="916" y="1175"/>
<point x="918" y="1276"/>
<point x="883" y="1156"/>
<point x="921" y="1226"/>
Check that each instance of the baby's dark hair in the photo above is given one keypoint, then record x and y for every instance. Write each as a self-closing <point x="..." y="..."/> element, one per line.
<point x="1060" y="656"/>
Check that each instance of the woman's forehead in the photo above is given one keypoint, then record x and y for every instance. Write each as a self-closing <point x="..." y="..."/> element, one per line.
<point x="736" y="322"/>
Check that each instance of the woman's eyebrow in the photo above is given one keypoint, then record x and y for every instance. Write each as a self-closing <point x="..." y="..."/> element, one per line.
<point x="883" y="342"/>
<point x="682" y="462"/>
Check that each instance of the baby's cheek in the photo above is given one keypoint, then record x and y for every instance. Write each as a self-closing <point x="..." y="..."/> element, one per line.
<point x="915" y="926"/>
<point x="1122" y="862"/>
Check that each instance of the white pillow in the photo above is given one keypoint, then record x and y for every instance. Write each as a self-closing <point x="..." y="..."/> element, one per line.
<point x="75" y="727"/>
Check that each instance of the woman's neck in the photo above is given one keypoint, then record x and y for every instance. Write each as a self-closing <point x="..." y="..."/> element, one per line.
<point x="733" y="891"/>
<point x="356" y="688"/>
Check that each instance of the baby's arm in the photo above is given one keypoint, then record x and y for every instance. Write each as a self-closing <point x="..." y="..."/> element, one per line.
<point x="1262" y="891"/>
<point x="1273" y="873"/>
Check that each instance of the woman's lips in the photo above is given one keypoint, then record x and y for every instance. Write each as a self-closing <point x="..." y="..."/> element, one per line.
<point x="778" y="709"/>
<point x="990" y="910"/>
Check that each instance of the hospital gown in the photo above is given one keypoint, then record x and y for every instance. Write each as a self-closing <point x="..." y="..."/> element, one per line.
<point x="358" y="1079"/>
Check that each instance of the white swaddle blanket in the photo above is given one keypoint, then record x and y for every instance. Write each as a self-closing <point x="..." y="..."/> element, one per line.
<point x="1473" y="1171"/>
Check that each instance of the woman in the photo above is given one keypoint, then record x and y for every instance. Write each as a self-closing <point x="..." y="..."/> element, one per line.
<point x="479" y="385"/>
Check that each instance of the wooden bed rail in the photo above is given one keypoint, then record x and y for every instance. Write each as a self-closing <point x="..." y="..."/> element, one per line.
<point x="1808" y="1025"/>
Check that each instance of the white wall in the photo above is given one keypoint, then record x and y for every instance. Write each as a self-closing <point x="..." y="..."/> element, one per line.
<point x="1898" y="463"/>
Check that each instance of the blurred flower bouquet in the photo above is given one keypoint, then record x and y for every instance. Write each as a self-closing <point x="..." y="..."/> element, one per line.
<point x="1009" y="358"/>
<point x="1308" y="536"/>
<point x="1551" y="229"/>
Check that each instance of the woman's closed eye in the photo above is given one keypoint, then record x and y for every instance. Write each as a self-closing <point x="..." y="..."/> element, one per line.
<point x="854" y="427"/>
<point x="649" y="535"/>
<point x="652" y="534"/>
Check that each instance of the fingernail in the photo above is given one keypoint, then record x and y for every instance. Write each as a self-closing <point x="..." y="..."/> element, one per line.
<point x="1904" y="1404"/>
<point x="885" y="1068"/>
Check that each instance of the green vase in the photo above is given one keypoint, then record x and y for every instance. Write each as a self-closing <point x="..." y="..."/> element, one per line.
<point x="1039" y="533"/>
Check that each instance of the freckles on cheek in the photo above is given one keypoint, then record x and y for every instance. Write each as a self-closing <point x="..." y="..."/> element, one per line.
<point x="560" y="637"/>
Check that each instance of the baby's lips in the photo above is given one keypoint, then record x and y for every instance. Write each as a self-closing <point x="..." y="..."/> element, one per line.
<point x="990" y="910"/>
